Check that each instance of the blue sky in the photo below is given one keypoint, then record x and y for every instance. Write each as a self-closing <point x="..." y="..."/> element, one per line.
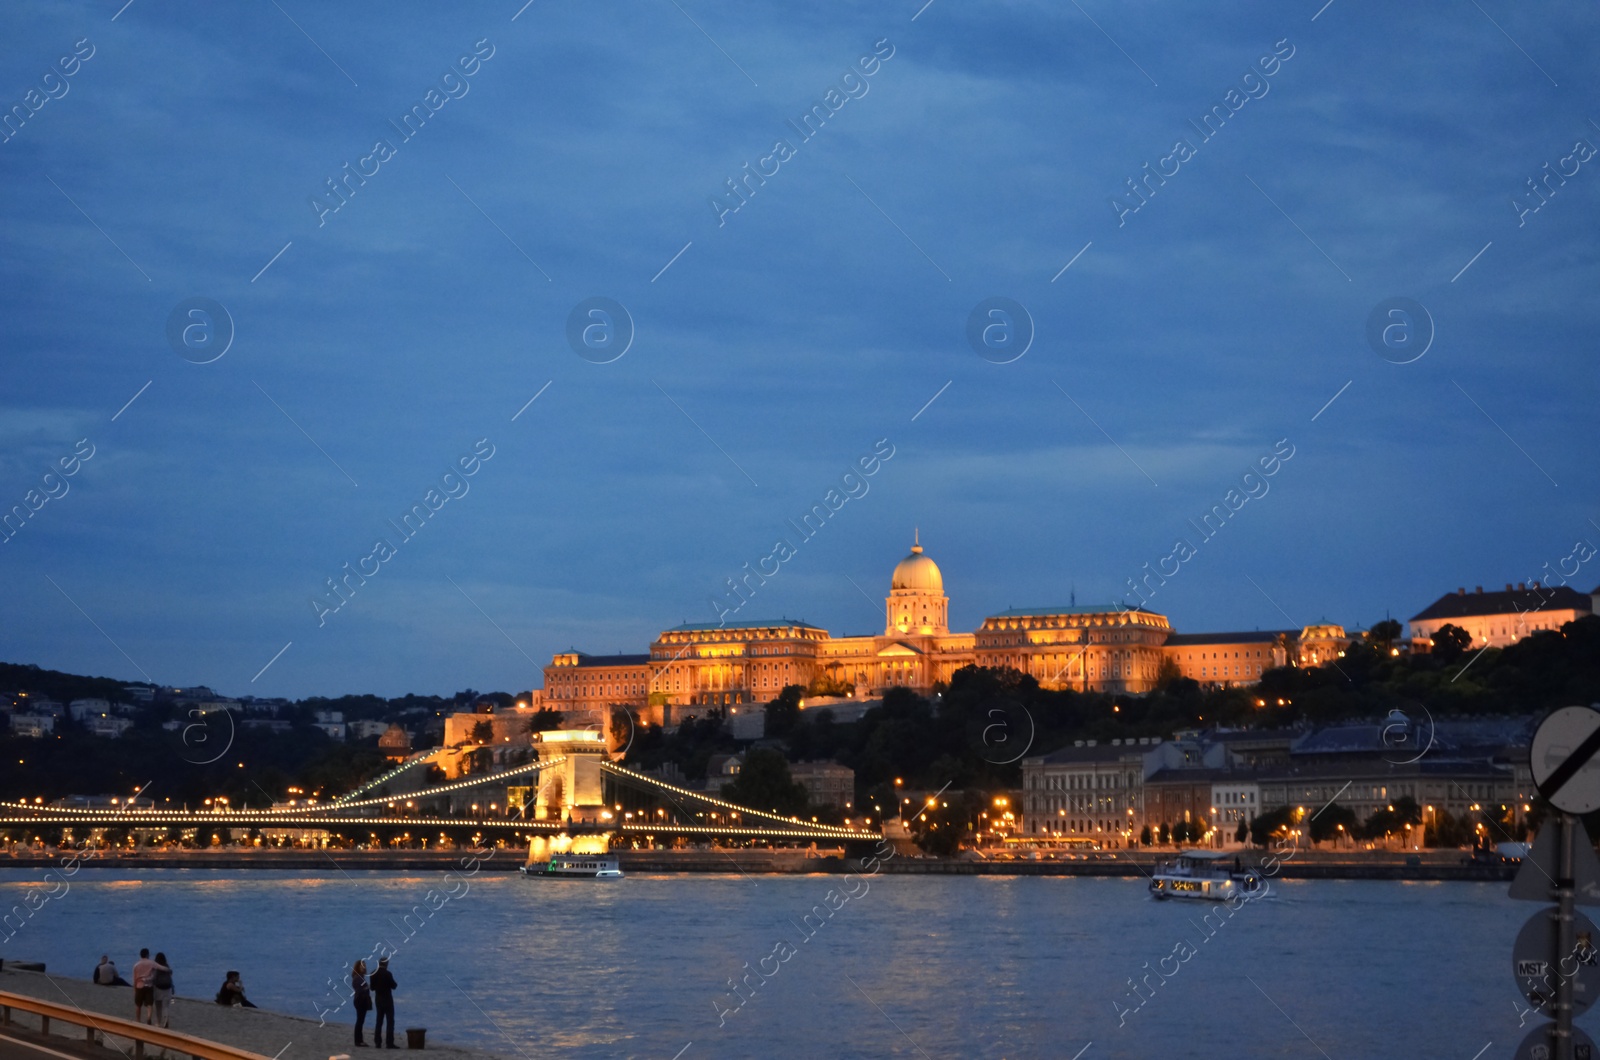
<point x="380" y="345"/>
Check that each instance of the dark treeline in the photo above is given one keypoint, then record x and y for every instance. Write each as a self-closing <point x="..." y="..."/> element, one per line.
<point x="974" y="733"/>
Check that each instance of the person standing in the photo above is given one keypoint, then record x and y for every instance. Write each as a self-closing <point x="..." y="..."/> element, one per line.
<point x="363" y="999"/>
<point x="144" y="970"/>
<point x="383" y="988"/>
<point x="161" y="990"/>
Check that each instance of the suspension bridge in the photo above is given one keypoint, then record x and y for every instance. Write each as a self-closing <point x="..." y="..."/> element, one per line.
<point x="572" y="789"/>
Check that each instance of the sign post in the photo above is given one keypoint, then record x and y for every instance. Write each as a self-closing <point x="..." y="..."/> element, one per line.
<point x="1565" y="761"/>
<point x="1564" y="910"/>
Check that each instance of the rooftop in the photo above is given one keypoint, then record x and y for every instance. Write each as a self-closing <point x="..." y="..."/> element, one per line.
<point x="1257" y="636"/>
<point x="767" y="623"/>
<point x="1462" y="604"/>
<point x="1097" y="752"/>
<point x="1097" y="609"/>
<point x="1418" y="734"/>
<point x="585" y="659"/>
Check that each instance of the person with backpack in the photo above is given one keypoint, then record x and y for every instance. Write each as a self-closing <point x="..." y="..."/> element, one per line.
<point x="363" y="999"/>
<point x="161" y="984"/>
<point x="383" y="988"/>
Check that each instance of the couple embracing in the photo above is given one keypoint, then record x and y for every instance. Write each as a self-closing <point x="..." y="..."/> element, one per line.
<point x="381" y="988"/>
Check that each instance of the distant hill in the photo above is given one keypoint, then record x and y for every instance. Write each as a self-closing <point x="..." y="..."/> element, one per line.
<point x="52" y="684"/>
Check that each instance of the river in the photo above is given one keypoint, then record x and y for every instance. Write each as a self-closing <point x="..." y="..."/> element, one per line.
<point x="910" y="966"/>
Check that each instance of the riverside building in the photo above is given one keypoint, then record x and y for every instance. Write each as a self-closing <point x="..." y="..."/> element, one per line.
<point x="1105" y="648"/>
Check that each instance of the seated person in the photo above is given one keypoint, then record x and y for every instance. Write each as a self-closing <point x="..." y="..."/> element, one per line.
<point x="232" y="992"/>
<point x="105" y="973"/>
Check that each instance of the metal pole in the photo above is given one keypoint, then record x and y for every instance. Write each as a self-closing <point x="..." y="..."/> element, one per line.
<point x="1565" y="888"/>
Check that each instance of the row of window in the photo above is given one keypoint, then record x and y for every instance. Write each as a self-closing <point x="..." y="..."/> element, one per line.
<point x="1048" y="804"/>
<point x="1073" y="825"/>
<point x="1222" y="671"/>
<point x="1080" y="781"/>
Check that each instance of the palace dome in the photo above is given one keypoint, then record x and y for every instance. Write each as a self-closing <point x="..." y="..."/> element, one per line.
<point x="917" y="573"/>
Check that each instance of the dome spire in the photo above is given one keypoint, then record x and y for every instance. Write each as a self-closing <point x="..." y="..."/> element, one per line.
<point x="916" y="541"/>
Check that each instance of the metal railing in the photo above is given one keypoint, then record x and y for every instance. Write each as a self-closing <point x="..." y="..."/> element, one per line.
<point x="141" y="1034"/>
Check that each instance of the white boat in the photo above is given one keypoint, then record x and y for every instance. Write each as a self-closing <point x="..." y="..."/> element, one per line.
<point x="575" y="866"/>
<point x="1204" y="875"/>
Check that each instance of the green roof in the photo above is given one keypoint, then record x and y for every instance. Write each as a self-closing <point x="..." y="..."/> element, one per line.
<point x="1041" y="612"/>
<point x="768" y="623"/>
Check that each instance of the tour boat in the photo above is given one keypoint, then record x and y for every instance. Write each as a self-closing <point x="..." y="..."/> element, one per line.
<point x="575" y="866"/>
<point x="1204" y="875"/>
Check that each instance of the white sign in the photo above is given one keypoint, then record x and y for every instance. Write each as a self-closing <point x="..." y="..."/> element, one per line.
<point x="1564" y="759"/>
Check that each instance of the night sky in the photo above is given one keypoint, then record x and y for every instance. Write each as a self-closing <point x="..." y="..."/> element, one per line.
<point x="1347" y="265"/>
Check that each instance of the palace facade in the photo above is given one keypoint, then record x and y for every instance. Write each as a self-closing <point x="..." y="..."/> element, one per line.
<point x="1110" y="648"/>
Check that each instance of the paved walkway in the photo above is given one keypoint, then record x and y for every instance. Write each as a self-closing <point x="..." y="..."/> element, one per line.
<point x="271" y="1034"/>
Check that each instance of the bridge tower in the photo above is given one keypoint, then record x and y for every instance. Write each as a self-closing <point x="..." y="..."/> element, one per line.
<point x="571" y="791"/>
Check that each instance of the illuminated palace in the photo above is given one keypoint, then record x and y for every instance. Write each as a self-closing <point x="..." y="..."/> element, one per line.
<point x="1112" y="648"/>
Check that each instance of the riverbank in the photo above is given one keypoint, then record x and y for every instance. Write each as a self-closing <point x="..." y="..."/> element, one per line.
<point x="271" y="1034"/>
<point x="1303" y="865"/>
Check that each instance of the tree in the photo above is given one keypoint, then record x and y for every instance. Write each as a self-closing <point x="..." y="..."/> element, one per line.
<point x="815" y="738"/>
<point x="1265" y="826"/>
<point x="1324" y="824"/>
<point x="828" y="683"/>
<point x="1450" y="642"/>
<point x="483" y="731"/>
<point x="783" y="713"/>
<point x="1241" y="833"/>
<point x="1447" y="830"/>
<point x="1394" y="818"/>
<point x="545" y="719"/>
<point x="624" y="725"/>
<point x="942" y="827"/>
<point x="1286" y="643"/>
<point x="1166" y="834"/>
<point x="764" y="783"/>
<point x="480" y="760"/>
<point x="1384" y="634"/>
<point x="1144" y="836"/>
<point x="1167" y="672"/>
